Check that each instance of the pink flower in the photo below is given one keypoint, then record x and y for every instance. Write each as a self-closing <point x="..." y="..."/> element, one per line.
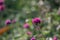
<point x="8" y="21"/>
<point x="29" y="33"/>
<point x="36" y="20"/>
<point x="55" y="38"/>
<point x="26" y="25"/>
<point x="33" y="38"/>
<point x="2" y="7"/>
<point x="1" y="3"/>
<point x="1" y="0"/>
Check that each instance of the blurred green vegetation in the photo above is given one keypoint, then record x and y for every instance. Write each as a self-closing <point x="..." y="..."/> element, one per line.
<point x="28" y="9"/>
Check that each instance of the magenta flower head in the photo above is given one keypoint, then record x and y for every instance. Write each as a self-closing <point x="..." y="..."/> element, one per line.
<point x="2" y="7"/>
<point x="33" y="38"/>
<point x="1" y="0"/>
<point x="26" y="25"/>
<point x="8" y="21"/>
<point x="55" y="38"/>
<point x="36" y="20"/>
<point x="1" y="3"/>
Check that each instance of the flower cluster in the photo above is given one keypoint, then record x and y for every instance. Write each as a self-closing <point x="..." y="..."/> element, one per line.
<point x="27" y="26"/>
<point x="31" y="33"/>
<point x="2" y="5"/>
<point x="8" y="21"/>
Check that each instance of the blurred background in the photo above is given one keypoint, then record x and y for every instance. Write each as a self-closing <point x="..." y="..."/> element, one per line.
<point x="15" y="13"/>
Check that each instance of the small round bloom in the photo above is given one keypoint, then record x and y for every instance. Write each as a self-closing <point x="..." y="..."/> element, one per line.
<point x="55" y="38"/>
<point x="2" y="7"/>
<point x="33" y="38"/>
<point x="29" y="33"/>
<point x="36" y="20"/>
<point x="26" y="25"/>
<point x="8" y="21"/>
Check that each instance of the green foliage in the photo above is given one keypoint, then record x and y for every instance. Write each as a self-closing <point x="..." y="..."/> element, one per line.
<point x="28" y="9"/>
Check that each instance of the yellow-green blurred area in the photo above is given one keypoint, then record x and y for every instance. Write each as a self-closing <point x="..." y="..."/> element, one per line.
<point x="23" y="11"/>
